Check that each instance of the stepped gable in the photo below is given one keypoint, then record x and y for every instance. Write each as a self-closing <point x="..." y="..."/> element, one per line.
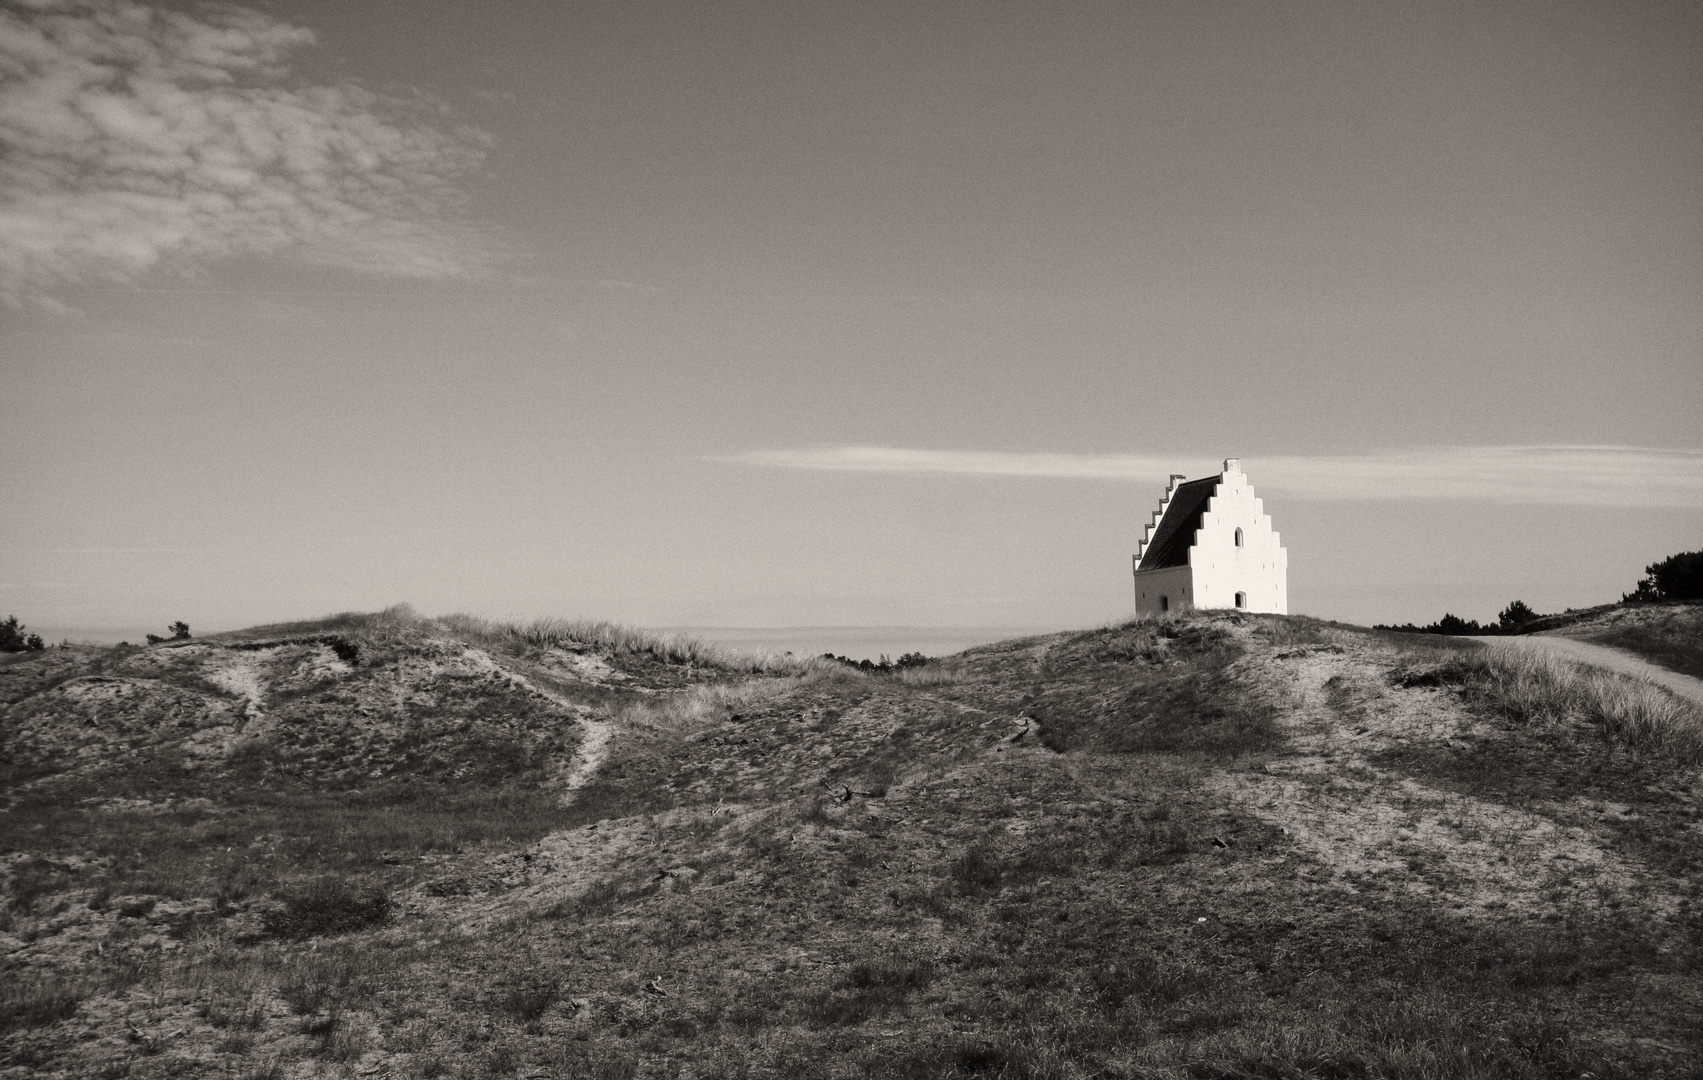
<point x="1175" y="535"/>
<point x="1211" y="545"/>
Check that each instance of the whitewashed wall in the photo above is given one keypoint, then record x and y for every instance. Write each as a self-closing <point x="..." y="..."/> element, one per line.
<point x="1260" y="567"/>
<point x="1176" y="582"/>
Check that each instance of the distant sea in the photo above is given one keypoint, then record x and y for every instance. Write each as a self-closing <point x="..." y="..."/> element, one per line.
<point x="855" y="642"/>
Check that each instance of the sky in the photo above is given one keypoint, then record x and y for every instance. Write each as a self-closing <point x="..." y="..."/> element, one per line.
<point x="896" y="314"/>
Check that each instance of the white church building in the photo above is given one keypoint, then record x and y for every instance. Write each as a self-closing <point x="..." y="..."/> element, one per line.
<point x="1211" y="545"/>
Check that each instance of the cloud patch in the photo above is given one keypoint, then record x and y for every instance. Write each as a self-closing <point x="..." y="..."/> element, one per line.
<point x="134" y="136"/>
<point x="1554" y="475"/>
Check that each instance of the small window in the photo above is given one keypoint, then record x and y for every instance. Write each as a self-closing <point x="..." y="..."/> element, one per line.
<point x="1242" y="600"/>
<point x="1164" y="603"/>
<point x="1238" y="537"/>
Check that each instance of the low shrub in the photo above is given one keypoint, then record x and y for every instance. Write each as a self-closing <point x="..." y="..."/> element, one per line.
<point x="328" y="906"/>
<point x="599" y="900"/>
<point x="870" y="988"/>
<point x="37" y="1004"/>
<point x="308" y="989"/>
<point x="978" y="871"/>
<point x="1200" y="710"/>
<point x="235" y="1013"/>
<point x="1005" y="1056"/>
<point x="531" y="999"/>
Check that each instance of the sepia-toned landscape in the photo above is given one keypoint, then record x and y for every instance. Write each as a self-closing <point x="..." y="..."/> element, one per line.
<point x="1106" y="518"/>
<point x="1214" y="844"/>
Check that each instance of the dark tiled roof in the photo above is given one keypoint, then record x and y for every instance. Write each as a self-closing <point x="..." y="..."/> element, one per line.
<point x="1175" y="535"/>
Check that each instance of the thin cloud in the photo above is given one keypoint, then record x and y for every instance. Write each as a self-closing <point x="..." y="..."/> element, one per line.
<point x="133" y="136"/>
<point x="127" y="551"/>
<point x="1555" y="475"/>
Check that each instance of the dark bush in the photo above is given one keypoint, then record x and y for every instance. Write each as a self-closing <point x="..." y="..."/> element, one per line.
<point x="1677" y="577"/>
<point x="346" y="650"/>
<point x="1004" y="1058"/>
<point x="137" y="908"/>
<point x="530" y="1000"/>
<point x="1514" y="616"/>
<point x="883" y="666"/>
<point x="179" y="632"/>
<point x="328" y="906"/>
<point x="13" y="638"/>
<point x="978" y="870"/>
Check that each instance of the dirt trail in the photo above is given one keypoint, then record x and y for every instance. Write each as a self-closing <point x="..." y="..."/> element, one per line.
<point x="593" y="748"/>
<point x="1377" y="829"/>
<point x="1602" y="656"/>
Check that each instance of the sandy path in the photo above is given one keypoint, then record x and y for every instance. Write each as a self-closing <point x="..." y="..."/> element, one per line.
<point x="1602" y="656"/>
<point x="593" y="748"/>
<point x="1376" y="829"/>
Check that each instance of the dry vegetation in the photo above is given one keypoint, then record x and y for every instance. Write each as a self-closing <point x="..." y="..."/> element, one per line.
<point x="1669" y="634"/>
<point x="1216" y="846"/>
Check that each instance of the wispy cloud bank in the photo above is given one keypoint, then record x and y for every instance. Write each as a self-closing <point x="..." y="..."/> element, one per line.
<point x="133" y="135"/>
<point x="1560" y="475"/>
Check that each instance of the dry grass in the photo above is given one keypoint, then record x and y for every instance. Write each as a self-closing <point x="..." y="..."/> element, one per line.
<point x="1669" y="634"/>
<point x="549" y="633"/>
<point x="696" y="705"/>
<point x="947" y="672"/>
<point x="1633" y="712"/>
<point x="387" y="626"/>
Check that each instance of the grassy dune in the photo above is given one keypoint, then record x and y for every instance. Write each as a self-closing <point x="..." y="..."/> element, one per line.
<point x="1669" y="634"/>
<point x="1214" y="846"/>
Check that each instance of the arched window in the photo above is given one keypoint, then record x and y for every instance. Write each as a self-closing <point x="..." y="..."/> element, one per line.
<point x="1238" y="537"/>
<point x="1242" y="600"/>
<point x="1164" y="603"/>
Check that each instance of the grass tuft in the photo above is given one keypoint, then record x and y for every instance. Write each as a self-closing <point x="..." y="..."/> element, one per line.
<point x="37" y="1004"/>
<point x="870" y="988"/>
<point x="328" y="906"/>
<point x="978" y="871"/>
<point x="531" y="999"/>
<point x="1536" y="689"/>
<point x="578" y="634"/>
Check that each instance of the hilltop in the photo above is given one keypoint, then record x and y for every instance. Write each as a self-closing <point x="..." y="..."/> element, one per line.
<point x="1212" y="845"/>
<point x="1669" y="633"/>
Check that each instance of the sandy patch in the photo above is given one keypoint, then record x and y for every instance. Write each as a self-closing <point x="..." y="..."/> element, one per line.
<point x="241" y="674"/>
<point x="1376" y="830"/>
<point x="586" y="667"/>
<point x="95" y="690"/>
<point x="595" y="732"/>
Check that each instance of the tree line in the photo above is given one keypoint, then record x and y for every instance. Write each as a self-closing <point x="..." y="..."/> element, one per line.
<point x="884" y="666"/>
<point x="13" y="638"/>
<point x="1677" y="577"/>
